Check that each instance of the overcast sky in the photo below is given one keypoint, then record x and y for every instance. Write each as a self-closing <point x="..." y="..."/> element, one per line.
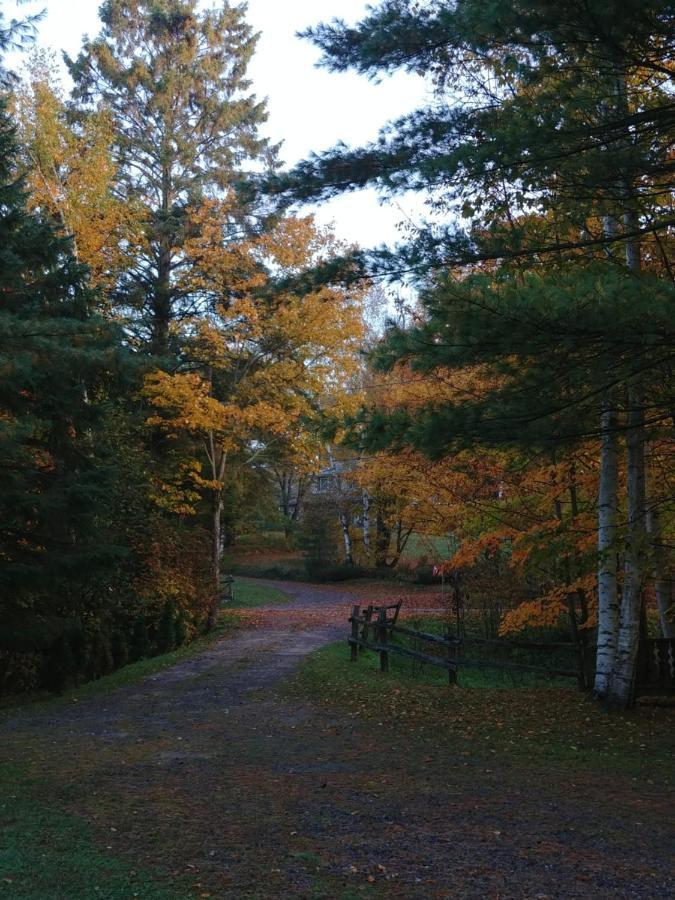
<point x="309" y="108"/>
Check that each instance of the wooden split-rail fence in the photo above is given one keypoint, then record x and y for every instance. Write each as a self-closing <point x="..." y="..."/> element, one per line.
<point x="376" y="628"/>
<point x="373" y="628"/>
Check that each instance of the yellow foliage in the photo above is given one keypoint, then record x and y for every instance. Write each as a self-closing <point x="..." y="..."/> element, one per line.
<point x="261" y="365"/>
<point x="71" y="173"/>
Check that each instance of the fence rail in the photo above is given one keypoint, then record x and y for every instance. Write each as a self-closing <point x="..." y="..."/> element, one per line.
<point x="383" y="627"/>
<point x="373" y="627"/>
<point x="656" y="666"/>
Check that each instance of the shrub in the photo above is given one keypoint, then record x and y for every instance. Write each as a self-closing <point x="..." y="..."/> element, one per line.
<point x="120" y="649"/>
<point x="166" y="632"/>
<point x="181" y="629"/>
<point x="140" y="640"/>
<point x="59" y="665"/>
<point x="100" y="658"/>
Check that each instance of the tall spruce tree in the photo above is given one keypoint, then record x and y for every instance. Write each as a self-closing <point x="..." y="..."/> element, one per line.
<point x="549" y="141"/>
<point x="174" y="80"/>
<point x="58" y="361"/>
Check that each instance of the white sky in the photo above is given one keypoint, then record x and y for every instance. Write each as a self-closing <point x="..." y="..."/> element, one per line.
<point x="310" y="109"/>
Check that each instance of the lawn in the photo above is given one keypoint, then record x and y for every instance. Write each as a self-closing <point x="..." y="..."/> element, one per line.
<point x="526" y="721"/>
<point x="436" y="549"/>
<point x="47" y="853"/>
<point x="249" y="595"/>
<point x="225" y="780"/>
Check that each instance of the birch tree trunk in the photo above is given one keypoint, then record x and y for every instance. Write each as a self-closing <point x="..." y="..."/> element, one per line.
<point x="366" y="522"/>
<point x="218" y="462"/>
<point x="344" y="524"/>
<point x="663" y="583"/>
<point x="622" y="689"/>
<point x="618" y="689"/>
<point x="216" y="527"/>
<point x="608" y="611"/>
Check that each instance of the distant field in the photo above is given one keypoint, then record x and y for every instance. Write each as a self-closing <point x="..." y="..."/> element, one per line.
<point x="436" y="549"/>
<point x="248" y="595"/>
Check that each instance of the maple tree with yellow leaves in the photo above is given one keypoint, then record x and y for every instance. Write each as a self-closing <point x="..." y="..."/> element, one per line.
<point x="261" y="367"/>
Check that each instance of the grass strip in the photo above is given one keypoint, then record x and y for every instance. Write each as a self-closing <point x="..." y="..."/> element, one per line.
<point x="46" y="853"/>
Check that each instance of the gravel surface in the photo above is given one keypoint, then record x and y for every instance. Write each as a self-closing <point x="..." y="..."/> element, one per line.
<point x="200" y="769"/>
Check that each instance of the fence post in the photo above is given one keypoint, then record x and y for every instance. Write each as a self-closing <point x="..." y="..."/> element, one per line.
<point x="452" y="658"/>
<point x="355" y="634"/>
<point x="382" y="639"/>
<point x="365" y="631"/>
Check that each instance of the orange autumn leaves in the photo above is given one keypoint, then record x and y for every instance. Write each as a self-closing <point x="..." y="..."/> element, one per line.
<point x="262" y="365"/>
<point x="71" y="172"/>
<point x="533" y="514"/>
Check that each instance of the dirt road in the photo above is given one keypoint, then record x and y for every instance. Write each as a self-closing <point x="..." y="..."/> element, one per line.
<point x="200" y="769"/>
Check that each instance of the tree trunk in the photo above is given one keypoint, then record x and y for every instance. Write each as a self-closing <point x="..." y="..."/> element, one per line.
<point x="161" y="301"/>
<point x="622" y="688"/>
<point x="344" y="523"/>
<point x="402" y="536"/>
<point x="216" y="525"/>
<point x="366" y="523"/>
<point x="607" y="564"/>
<point x="382" y="540"/>
<point x="218" y="461"/>
<point x="663" y="583"/>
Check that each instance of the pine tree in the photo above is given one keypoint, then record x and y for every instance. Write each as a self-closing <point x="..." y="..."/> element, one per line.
<point x="59" y="362"/>
<point x="549" y="140"/>
<point x="174" y="81"/>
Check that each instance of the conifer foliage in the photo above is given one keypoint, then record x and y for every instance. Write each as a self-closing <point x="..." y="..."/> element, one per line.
<point x="174" y="82"/>
<point x="546" y="159"/>
<point x="148" y="354"/>
<point x="59" y="362"/>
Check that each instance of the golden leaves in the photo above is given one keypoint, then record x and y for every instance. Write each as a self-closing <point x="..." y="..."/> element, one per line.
<point x="71" y="174"/>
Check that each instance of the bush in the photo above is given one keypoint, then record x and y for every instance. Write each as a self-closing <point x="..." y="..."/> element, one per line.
<point x="100" y="658"/>
<point x="140" y="640"/>
<point x="59" y="665"/>
<point x="120" y="649"/>
<point x="78" y="643"/>
<point x="422" y="572"/>
<point x="166" y="632"/>
<point x="181" y="629"/>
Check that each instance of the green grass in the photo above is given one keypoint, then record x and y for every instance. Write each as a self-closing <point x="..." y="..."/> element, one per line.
<point x="436" y="549"/>
<point x="333" y="661"/>
<point x="249" y="595"/>
<point x="46" y="853"/>
<point x="529" y="722"/>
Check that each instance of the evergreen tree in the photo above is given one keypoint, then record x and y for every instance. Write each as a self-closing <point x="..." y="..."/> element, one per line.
<point x="538" y="109"/>
<point x="59" y="363"/>
<point x="174" y="81"/>
<point x="549" y="140"/>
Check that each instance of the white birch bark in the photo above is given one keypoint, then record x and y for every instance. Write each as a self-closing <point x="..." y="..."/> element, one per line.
<point x="366" y="522"/>
<point x="622" y="689"/>
<point x="608" y="610"/>
<point x="663" y="583"/>
<point x="218" y="462"/>
<point x="347" y="538"/>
